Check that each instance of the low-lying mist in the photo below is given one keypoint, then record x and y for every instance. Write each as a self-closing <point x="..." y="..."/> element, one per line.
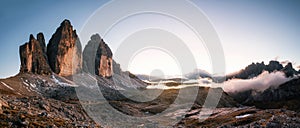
<point x="259" y="83"/>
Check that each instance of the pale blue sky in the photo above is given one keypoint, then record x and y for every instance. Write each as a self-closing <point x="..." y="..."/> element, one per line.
<point x="250" y="31"/>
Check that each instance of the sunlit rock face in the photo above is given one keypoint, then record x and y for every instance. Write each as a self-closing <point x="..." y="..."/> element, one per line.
<point x="64" y="51"/>
<point x="104" y="67"/>
<point x="97" y="57"/>
<point x="103" y="62"/>
<point x="33" y="56"/>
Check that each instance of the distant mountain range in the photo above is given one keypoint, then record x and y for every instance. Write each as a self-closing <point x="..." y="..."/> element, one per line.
<point x="251" y="71"/>
<point x="285" y="95"/>
<point x="256" y="69"/>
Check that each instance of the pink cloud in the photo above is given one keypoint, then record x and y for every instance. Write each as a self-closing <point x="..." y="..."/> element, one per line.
<point x="259" y="83"/>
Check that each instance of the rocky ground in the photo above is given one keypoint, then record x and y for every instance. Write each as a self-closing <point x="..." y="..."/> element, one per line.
<point x="36" y="111"/>
<point x="29" y="100"/>
<point x="244" y="117"/>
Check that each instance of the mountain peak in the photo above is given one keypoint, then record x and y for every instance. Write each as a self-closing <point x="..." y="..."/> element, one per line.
<point x="31" y="37"/>
<point x="66" y="22"/>
<point x="40" y="37"/>
<point x="289" y="70"/>
<point x="64" y="50"/>
<point x="97" y="57"/>
<point x="96" y="37"/>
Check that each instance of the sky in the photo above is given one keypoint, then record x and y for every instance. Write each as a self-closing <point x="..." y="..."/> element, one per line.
<point x="250" y="31"/>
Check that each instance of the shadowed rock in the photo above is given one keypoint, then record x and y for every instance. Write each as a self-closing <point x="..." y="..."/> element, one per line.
<point x="289" y="70"/>
<point x="89" y="54"/>
<point x="41" y="39"/>
<point x="116" y="68"/>
<point x="274" y="66"/>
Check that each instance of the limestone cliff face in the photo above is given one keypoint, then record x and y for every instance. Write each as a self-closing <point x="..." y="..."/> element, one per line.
<point x="33" y="56"/>
<point x="64" y="51"/>
<point x="97" y="57"/>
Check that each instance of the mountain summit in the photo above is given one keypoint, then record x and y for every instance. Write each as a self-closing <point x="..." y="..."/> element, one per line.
<point x="97" y="57"/>
<point x="64" y="50"/>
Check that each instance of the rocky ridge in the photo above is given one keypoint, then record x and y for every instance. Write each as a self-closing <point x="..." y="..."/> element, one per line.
<point x="256" y="69"/>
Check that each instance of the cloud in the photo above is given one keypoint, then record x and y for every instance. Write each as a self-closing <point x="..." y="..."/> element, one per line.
<point x="259" y="83"/>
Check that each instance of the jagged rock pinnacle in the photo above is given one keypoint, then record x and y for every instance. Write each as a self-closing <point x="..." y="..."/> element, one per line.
<point x="64" y="50"/>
